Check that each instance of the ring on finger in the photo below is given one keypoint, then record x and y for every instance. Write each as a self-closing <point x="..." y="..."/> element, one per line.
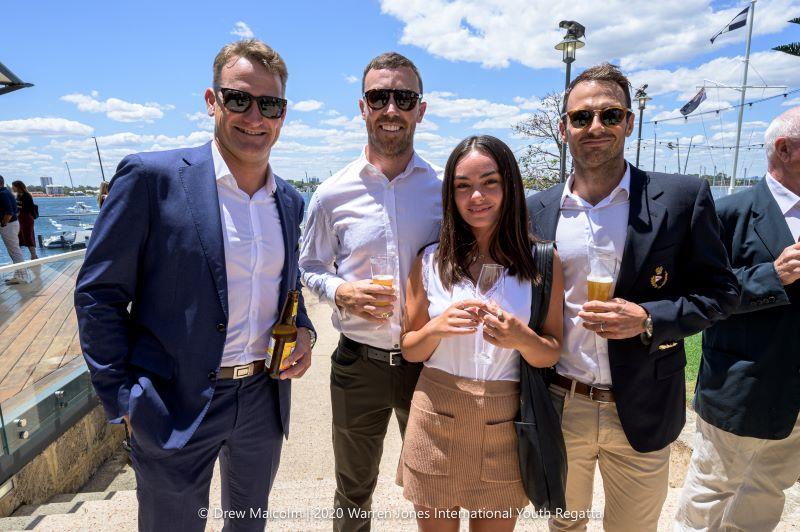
<point x="500" y="314"/>
<point x="601" y="326"/>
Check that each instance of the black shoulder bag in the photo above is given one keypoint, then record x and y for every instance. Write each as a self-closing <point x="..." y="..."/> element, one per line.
<point x="542" y="453"/>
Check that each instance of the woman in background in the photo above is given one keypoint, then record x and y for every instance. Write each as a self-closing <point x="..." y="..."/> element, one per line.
<point x="460" y="447"/>
<point x="102" y="194"/>
<point x="27" y="238"/>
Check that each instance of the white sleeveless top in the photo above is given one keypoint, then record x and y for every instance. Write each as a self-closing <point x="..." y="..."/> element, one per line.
<point x="459" y="355"/>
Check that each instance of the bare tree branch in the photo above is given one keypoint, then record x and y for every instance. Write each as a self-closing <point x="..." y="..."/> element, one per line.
<point x="539" y="162"/>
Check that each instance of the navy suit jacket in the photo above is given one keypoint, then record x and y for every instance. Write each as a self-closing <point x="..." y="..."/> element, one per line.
<point x="672" y="226"/>
<point x="157" y="246"/>
<point x="749" y="382"/>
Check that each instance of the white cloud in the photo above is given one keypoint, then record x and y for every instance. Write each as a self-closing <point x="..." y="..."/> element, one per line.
<point x="308" y="105"/>
<point x="775" y="68"/>
<point x="640" y="33"/>
<point x="794" y="102"/>
<point x="116" y="109"/>
<point x="45" y="126"/>
<point x="449" y="105"/>
<point x="242" y="31"/>
<point x="202" y="120"/>
<point x="351" y="79"/>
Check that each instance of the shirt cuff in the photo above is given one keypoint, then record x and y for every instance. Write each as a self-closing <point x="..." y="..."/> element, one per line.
<point x="330" y="294"/>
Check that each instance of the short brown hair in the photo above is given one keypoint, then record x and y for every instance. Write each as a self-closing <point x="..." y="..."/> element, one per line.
<point x="391" y="60"/>
<point x="256" y="51"/>
<point x="602" y="72"/>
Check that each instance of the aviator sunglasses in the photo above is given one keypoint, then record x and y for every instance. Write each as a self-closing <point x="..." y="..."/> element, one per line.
<point x="405" y="100"/>
<point x="610" y="116"/>
<point x="239" y="102"/>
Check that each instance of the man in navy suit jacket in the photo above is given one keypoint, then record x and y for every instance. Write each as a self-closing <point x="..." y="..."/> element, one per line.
<point x="191" y="260"/>
<point x="620" y="380"/>
<point x="747" y="444"/>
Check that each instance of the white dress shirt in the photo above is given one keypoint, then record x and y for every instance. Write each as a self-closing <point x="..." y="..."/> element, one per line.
<point x="254" y="255"/>
<point x="458" y="355"/>
<point x="788" y="203"/>
<point x="358" y="213"/>
<point x="584" y="356"/>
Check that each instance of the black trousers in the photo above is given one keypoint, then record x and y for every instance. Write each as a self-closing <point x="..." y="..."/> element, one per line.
<point x="364" y="392"/>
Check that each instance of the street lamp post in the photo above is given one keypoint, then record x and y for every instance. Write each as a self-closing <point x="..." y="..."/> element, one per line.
<point x="568" y="46"/>
<point x="641" y="95"/>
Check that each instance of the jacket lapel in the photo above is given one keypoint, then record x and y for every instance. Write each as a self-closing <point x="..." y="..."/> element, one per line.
<point x="200" y="185"/>
<point x="544" y="213"/>
<point x="645" y="216"/>
<point x="770" y="224"/>
<point x="286" y="214"/>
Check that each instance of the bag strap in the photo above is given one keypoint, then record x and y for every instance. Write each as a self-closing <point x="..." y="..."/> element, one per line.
<point x="540" y="293"/>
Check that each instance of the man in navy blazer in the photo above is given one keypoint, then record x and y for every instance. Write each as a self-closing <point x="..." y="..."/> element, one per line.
<point x="747" y="444"/>
<point x="191" y="260"/>
<point x="620" y="381"/>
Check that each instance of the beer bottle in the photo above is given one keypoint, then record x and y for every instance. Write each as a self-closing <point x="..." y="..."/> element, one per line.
<point x="284" y="335"/>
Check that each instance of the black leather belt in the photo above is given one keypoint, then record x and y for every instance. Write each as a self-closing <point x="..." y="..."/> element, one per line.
<point x="600" y="395"/>
<point x="240" y="372"/>
<point x="392" y="357"/>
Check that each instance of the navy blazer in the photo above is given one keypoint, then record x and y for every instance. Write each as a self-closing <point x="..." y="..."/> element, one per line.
<point x="674" y="266"/>
<point x="157" y="246"/>
<point x="749" y="382"/>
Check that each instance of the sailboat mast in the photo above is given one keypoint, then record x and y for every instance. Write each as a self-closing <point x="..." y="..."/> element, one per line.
<point x="751" y="15"/>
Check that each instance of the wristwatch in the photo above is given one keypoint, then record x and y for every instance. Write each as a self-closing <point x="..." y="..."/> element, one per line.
<point x="648" y="327"/>
<point x="313" y="336"/>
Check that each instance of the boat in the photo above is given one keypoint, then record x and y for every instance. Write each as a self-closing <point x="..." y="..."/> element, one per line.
<point x="76" y="239"/>
<point x="81" y="208"/>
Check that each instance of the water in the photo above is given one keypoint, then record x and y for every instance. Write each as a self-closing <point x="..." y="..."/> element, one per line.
<point x="56" y="209"/>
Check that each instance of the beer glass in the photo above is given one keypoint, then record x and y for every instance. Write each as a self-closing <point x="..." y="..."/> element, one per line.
<point x="383" y="273"/>
<point x="382" y="267"/>
<point x="602" y="272"/>
<point x="488" y="288"/>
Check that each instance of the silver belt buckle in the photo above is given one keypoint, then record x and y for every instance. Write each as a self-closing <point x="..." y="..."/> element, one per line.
<point x="591" y="395"/>
<point x="240" y="372"/>
<point x="392" y="354"/>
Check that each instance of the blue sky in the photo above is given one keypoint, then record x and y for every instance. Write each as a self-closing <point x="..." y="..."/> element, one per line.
<point x="133" y="73"/>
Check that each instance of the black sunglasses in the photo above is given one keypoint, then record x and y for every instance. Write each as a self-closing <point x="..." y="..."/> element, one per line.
<point x="610" y="116"/>
<point x="239" y="101"/>
<point x="405" y="100"/>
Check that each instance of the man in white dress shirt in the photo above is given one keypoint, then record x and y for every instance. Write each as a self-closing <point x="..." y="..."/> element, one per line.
<point x="620" y="383"/>
<point x="385" y="203"/>
<point x="202" y="244"/>
<point x="747" y="444"/>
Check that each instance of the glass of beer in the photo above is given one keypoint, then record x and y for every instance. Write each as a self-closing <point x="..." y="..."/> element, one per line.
<point x="382" y="267"/>
<point x="383" y="273"/>
<point x="602" y="272"/>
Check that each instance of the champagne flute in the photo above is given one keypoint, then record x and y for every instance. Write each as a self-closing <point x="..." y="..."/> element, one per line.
<point x="488" y="288"/>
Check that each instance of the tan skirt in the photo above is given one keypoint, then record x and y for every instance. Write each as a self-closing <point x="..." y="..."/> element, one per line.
<point x="460" y="445"/>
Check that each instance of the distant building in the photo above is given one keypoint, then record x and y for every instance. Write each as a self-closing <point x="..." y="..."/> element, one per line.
<point x="46" y="181"/>
<point x="56" y="190"/>
<point x="312" y="180"/>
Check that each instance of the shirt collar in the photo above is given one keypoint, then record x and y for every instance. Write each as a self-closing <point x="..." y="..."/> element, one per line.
<point x="415" y="163"/>
<point x="613" y="197"/>
<point x="223" y="174"/>
<point x="785" y="198"/>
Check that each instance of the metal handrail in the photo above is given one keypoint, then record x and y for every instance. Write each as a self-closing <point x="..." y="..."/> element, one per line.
<point x="44" y="260"/>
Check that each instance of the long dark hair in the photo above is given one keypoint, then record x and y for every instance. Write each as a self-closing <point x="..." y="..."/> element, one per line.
<point x="23" y="190"/>
<point x="510" y="243"/>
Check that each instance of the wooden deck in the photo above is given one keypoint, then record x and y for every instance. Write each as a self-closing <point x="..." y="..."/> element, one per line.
<point x="38" y="327"/>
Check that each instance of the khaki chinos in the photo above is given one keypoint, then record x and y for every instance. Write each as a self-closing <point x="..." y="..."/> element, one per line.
<point x="635" y="483"/>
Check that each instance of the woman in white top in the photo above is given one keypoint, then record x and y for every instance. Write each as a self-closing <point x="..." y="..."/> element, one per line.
<point x="460" y="447"/>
